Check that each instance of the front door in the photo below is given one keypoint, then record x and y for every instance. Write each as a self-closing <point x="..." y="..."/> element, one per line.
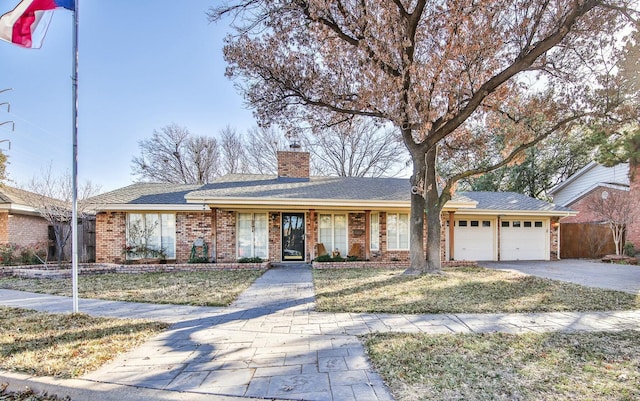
<point x="292" y="236"/>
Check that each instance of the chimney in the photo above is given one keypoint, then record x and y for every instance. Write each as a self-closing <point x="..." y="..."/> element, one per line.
<point x="293" y="164"/>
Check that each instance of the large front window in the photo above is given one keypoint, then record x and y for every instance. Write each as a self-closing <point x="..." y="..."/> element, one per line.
<point x="333" y="232"/>
<point x="397" y="231"/>
<point x="374" y="245"/>
<point x="151" y="235"/>
<point x="253" y="235"/>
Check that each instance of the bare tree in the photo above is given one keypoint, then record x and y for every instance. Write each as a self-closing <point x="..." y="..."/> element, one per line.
<point x="262" y="146"/>
<point x="619" y="209"/>
<point x="437" y="71"/>
<point x="52" y="198"/>
<point x="234" y="158"/>
<point x="174" y="155"/>
<point x="358" y="148"/>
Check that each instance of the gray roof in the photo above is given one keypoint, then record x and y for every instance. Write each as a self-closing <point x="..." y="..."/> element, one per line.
<point x="238" y="186"/>
<point x="511" y="201"/>
<point x="265" y="186"/>
<point x="144" y="193"/>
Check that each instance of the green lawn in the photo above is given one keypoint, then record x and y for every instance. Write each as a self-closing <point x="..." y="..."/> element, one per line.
<point x="207" y="288"/>
<point x="551" y="366"/>
<point x="458" y="290"/>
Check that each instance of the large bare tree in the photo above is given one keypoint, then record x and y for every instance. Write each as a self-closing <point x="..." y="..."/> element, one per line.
<point x="174" y="155"/>
<point x="357" y="148"/>
<point x="436" y="70"/>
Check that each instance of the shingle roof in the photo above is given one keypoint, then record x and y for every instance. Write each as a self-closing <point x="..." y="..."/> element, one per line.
<point x="238" y="186"/>
<point x="512" y="201"/>
<point x="146" y="193"/>
<point x="265" y="186"/>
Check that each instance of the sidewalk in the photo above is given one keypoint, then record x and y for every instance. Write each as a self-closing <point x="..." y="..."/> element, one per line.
<point x="270" y="344"/>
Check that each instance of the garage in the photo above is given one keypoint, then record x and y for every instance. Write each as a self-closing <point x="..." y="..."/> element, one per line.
<point x="524" y="239"/>
<point x="473" y="239"/>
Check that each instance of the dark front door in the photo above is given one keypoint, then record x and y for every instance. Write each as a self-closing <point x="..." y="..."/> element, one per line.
<point x="292" y="236"/>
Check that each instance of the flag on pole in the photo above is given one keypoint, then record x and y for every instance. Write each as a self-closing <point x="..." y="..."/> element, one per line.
<point x="26" y="25"/>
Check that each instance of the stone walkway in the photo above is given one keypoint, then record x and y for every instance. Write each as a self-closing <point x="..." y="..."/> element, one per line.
<point x="271" y="344"/>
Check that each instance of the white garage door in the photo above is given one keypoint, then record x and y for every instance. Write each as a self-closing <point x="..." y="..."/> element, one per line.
<point x="523" y="240"/>
<point x="473" y="240"/>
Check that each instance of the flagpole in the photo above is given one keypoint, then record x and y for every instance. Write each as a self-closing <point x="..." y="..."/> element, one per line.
<point x="74" y="169"/>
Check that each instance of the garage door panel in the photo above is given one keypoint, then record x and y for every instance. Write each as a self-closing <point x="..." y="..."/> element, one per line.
<point x="523" y="242"/>
<point x="473" y="242"/>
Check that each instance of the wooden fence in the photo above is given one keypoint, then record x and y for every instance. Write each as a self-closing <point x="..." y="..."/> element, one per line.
<point x="585" y="241"/>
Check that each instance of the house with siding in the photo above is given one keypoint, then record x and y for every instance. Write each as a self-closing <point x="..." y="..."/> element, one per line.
<point x="295" y="217"/>
<point x="595" y="181"/>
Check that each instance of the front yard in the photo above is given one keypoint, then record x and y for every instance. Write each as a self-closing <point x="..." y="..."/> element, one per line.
<point x="206" y="288"/>
<point x="487" y="367"/>
<point x="458" y="290"/>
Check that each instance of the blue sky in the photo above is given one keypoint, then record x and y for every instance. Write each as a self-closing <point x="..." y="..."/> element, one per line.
<point x="143" y="65"/>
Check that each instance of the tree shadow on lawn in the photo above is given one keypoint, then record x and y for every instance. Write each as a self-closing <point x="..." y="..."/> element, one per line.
<point x="438" y="294"/>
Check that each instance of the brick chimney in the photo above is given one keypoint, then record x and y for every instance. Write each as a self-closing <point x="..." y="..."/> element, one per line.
<point x="293" y="164"/>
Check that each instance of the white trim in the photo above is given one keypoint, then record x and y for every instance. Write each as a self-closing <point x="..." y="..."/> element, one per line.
<point x="167" y="207"/>
<point x="595" y="186"/>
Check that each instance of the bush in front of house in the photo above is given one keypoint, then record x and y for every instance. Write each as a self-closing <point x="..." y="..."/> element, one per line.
<point x="629" y="249"/>
<point x="250" y="260"/>
<point x="15" y="255"/>
<point x="328" y="258"/>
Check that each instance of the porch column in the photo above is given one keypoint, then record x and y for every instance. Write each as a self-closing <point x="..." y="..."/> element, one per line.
<point x="499" y="230"/>
<point x="367" y="234"/>
<point x="214" y="233"/>
<point x="451" y="235"/>
<point x="312" y="233"/>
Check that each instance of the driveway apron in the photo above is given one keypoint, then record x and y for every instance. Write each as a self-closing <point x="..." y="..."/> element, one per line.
<point x="266" y="345"/>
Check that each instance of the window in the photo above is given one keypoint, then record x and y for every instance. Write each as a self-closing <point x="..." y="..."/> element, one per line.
<point x="527" y="224"/>
<point x="374" y="245"/>
<point x="515" y="224"/>
<point x="538" y="224"/>
<point x="462" y="223"/>
<point x="253" y="236"/>
<point x="151" y="235"/>
<point x="333" y="232"/>
<point x="397" y="231"/>
<point x="486" y="223"/>
<point x="475" y="223"/>
<point x="504" y="224"/>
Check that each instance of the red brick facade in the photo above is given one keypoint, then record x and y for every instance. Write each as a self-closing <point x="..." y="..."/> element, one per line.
<point x="633" y="231"/>
<point x="23" y="230"/>
<point x="293" y="164"/>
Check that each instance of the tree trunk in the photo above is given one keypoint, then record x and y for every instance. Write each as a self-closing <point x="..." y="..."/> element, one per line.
<point x="416" y="218"/>
<point x="433" y="210"/>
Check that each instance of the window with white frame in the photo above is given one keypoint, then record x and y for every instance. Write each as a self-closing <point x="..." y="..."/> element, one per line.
<point x="397" y="231"/>
<point x="374" y="243"/>
<point x="151" y="235"/>
<point x="253" y="235"/>
<point x="332" y="232"/>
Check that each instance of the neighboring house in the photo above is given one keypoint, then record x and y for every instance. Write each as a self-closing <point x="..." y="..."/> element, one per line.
<point x="295" y="217"/>
<point x="578" y="191"/>
<point x="22" y="224"/>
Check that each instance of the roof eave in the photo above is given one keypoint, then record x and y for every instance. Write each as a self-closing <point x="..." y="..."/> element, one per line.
<point x="126" y="207"/>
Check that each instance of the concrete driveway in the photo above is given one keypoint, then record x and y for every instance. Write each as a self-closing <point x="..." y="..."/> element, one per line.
<point x="591" y="273"/>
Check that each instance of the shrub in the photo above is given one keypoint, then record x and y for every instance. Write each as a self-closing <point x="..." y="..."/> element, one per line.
<point x="250" y="260"/>
<point x="629" y="249"/>
<point x="328" y="258"/>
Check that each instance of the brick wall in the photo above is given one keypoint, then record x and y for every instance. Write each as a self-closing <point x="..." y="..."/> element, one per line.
<point x="111" y="231"/>
<point x="27" y="230"/>
<point x="189" y="227"/>
<point x="293" y="164"/>
<point x="275" y="228"/>
<point x="226" y="236"/>
<point x="4" y="227"/>
<point x="581" y="206"/>
<point x="554" y="230"/>
<point x="633" y="231"/>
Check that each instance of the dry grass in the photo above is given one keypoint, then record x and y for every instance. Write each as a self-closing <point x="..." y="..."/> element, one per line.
<point x="27" y="395"/>
<point x="65" y="345"/>
<point x="553" y="366"/>
<point x="209" y="288"/>
<point x="458" y="290"/>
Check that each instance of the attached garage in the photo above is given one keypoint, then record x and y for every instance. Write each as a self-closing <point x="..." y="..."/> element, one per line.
<point x="524" y="239"/>
<point x="474" y="239"/>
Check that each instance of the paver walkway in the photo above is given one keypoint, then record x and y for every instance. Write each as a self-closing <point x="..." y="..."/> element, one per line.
<point x="271" y="344"/>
